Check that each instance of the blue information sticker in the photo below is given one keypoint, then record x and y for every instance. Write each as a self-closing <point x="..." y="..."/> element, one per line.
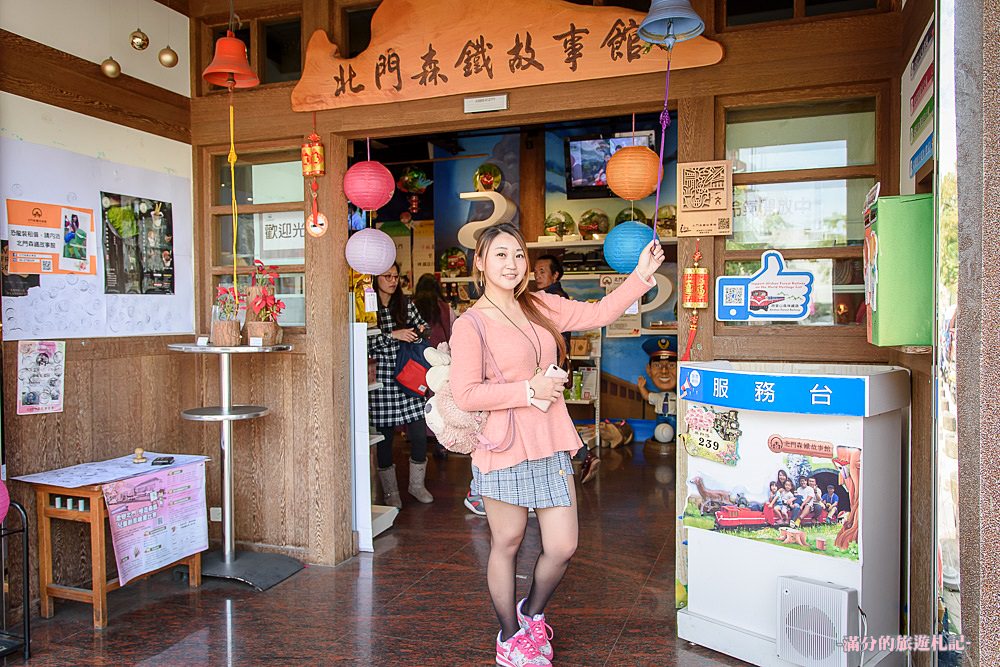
<point x="795" y="394"/>
<point x="773" y="293"/>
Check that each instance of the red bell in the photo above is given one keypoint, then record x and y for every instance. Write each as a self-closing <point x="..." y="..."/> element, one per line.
<point x="230" y="64"/>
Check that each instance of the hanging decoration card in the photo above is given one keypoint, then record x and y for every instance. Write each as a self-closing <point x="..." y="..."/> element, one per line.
<point x="705" y="198"/>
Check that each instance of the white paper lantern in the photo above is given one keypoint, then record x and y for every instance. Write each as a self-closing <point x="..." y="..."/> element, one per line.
<point x="370" y="251"/>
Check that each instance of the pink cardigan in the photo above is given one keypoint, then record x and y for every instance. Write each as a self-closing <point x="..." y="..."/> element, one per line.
<point x="537" y="434"/>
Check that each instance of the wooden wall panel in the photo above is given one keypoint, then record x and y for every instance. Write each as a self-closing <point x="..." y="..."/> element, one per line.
<point x="119" y="394"/>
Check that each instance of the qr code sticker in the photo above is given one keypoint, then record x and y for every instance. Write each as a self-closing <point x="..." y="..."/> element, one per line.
<point x="733" y="295"/>
<point x="46" y="266"/>
<point x="724" y="225"/>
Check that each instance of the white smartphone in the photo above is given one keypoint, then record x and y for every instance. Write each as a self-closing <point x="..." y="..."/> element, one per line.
<point x="552" y="371"/>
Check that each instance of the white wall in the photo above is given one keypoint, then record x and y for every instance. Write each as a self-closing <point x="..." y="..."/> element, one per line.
<point x="27" y="120"/>
<point x="96" y="29"/>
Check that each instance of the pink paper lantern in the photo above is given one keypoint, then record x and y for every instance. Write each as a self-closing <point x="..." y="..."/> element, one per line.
<point x="369" y="185"/>
<point x="4" y="501"/>
<point x="370" y="251"/>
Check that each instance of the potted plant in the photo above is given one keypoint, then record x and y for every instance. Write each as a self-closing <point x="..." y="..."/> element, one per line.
<point x="225" y="325"/>
<point x="263" y="306"/>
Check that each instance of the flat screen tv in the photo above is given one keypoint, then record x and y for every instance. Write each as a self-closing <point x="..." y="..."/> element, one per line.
<point x="587" y="158"/>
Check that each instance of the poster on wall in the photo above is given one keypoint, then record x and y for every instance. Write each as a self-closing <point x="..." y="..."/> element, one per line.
<point x="423" y="248"/>
<point x="157" y="518"/>
<point x="14" y="284"/>
<point x="629" y="324"/>
<point x="772" y="294"/>
<point x="705" y="198"/>
<point x="780" y="489"/>
<point x="50" y="238"/>
<point x="138" y="245"/>
<point x="41" y="366"/>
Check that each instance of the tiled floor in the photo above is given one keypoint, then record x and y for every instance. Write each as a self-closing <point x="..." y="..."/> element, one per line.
<point x="420" y="599"/>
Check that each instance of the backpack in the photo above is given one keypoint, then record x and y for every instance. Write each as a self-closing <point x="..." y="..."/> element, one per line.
<point x="457" y="430"/>
<point x="411" y="368"/>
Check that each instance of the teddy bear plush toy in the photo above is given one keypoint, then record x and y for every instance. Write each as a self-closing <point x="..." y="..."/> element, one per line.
<point x="456" y="429"/>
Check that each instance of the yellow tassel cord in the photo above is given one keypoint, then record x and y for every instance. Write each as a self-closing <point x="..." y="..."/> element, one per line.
<point x="232" y="182"/>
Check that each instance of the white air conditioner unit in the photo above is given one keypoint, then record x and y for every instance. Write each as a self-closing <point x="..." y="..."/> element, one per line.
<point x="813" y="619"/>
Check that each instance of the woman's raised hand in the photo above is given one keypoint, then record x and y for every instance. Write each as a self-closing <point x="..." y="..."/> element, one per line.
<point x="405" y="335"/>
<point x="650" y="259"/>
<point x="546" y="388"/>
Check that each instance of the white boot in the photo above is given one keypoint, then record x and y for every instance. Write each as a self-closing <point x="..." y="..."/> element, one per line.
<point x="418" y="471"/>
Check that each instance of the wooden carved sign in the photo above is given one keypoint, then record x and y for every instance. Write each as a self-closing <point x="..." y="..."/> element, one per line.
<point x="422" y="49"/>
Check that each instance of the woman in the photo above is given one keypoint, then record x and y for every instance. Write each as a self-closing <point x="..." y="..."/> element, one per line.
<point x="434" y="309"/>
<point x="523" y="333"/>
<point x="389" y="407"/>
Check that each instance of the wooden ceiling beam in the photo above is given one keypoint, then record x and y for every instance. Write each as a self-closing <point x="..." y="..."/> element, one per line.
<point x="39" y="72"/>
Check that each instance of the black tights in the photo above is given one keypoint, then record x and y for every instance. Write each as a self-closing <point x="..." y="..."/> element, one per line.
<point x="416" y="432"/>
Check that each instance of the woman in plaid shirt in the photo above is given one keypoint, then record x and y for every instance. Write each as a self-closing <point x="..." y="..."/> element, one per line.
<point x="389" y="407"/>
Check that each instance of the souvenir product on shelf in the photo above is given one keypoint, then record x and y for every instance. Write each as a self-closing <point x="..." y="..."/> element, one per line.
<point x="560" y="224"/>
<point x="488" y="177"/>
<point x="453" y="262"/>
<point x="666" y="220"/>
<point x="594" y="221"/>
<point x="631" y="213"/>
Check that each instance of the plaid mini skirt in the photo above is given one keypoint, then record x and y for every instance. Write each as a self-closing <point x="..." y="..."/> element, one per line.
<point x="539" y="484"/>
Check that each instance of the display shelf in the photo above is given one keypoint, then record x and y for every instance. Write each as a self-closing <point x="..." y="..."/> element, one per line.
<point x="580" y="401"/>
<point x="382" y="518"/>
<point x="586" y="243"/>
<point x="375" y="438"/>
<point x="220" y="349"/>
<point x="374" y="386"/>
<point x="457" y="279"/>
<point x="260" y="570"/>
<point x="216" y="413"/>
<point x="584" y="358"/>
<point x="659" y="331"/>
<point x="374" y="331"/>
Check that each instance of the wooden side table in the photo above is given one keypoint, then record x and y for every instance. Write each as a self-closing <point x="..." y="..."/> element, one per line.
<point x="95" y="513"/>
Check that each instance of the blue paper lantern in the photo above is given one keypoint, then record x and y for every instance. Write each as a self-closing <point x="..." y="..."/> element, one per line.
<point x="625" y="243"/>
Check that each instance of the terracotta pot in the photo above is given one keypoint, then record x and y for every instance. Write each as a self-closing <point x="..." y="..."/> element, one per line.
<point x="225" y="333"/>
<point x="269" y="332"/>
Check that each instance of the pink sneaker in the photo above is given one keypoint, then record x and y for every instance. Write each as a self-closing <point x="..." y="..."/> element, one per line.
<point x="519" y="651"/>
<point x="538" y="631"/>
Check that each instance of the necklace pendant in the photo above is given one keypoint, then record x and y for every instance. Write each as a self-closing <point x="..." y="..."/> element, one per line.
<point x="537" y="370"/>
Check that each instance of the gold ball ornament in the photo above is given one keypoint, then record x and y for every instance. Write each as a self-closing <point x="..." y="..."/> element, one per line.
<point x="111" y="68"/>
<point x="167" y="56"/>
<point x="139" y="40"/>
<point x="633" y="172"/>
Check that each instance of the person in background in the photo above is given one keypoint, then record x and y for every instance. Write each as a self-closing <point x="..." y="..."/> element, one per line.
<point x="548" y="274"/>
<point x="388" y="406"/>
<point x="437" y="312"/>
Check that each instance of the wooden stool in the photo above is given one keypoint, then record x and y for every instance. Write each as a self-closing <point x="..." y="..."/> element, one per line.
<point x="95" y="514"/>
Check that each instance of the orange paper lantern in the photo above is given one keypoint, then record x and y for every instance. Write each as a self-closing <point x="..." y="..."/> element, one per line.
<point x="633" y="172"/>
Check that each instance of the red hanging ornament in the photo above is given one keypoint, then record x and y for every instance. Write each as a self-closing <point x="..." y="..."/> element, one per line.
<point x="694" y="295"/>
<point x="313" y="165"/>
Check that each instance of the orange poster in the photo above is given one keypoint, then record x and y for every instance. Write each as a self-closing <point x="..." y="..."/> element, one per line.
<point x="50" y="238"/>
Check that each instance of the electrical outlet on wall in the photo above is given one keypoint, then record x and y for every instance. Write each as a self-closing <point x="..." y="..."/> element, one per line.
<point x="215" y="514"/>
